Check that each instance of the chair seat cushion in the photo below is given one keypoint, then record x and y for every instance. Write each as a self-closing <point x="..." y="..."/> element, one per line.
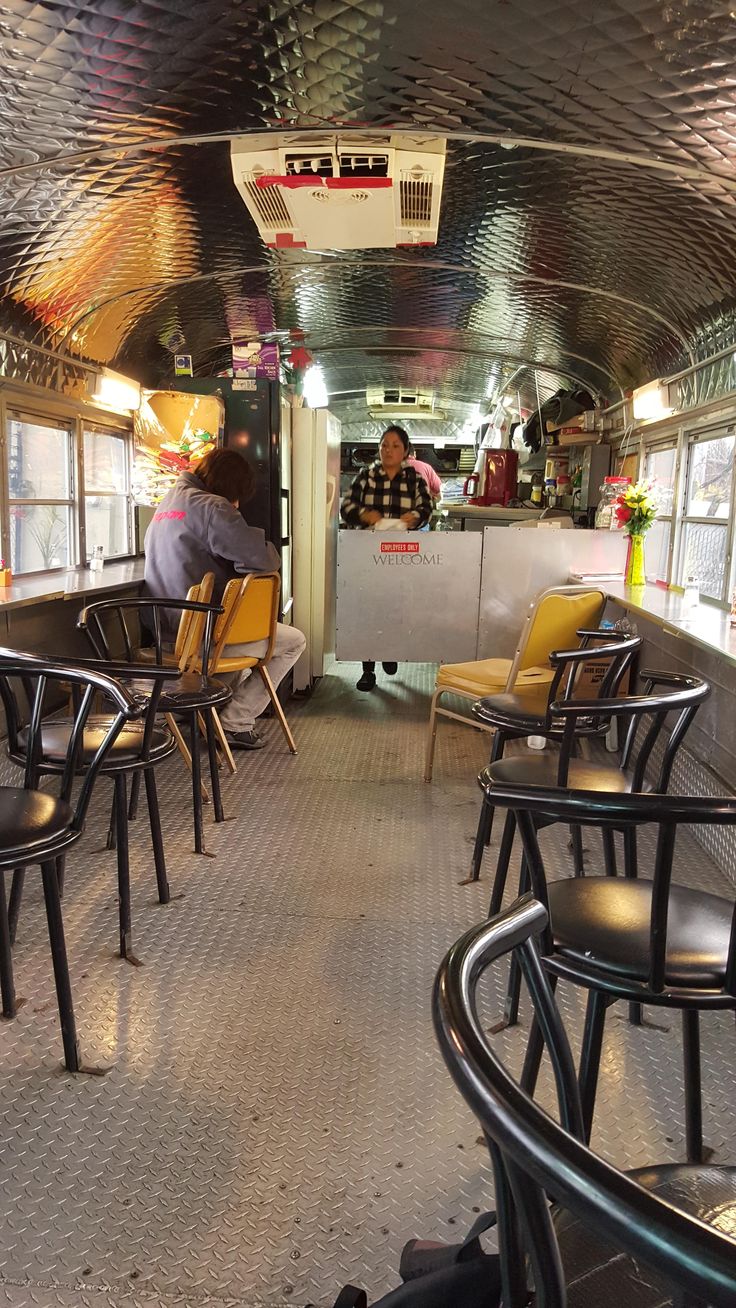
<point x="603" y="923"/>
<point x="190" y="690"/>
<point x="524" y="711"/>
<point x="31" y="820"/>
<point x="125" y="750"/>
<point x="236" y="664"/>
<point x="597" y="1272"/>
<point x="487" y="676"/>
<point x="529" y="769"/>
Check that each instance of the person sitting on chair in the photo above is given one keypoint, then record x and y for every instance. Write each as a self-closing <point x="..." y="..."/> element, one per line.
<point x="198" y="528"/>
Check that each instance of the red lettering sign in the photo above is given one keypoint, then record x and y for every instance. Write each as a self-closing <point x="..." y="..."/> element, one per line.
<point x="400" y="547"/>
<point x="162" y="515"/>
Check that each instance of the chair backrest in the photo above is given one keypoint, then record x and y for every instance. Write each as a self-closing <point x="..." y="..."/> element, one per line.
<point x="190" y="635"/>
<point x="651" y="720"/>
<point x="250" y="613"/>
<point x="106" y="619"/>
<point x="38" y="676"/>
<point x="552" y="623"/>
<point x="666" y="813"/>
<point x="535" y="1156"/>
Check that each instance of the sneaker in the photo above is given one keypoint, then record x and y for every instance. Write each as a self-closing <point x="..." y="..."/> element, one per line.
<point x="390" y="669"/>
<point x="367" y="681"/>
<point x="244" y="740"/>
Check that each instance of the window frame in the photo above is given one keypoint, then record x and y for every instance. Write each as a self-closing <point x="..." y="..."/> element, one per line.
<point x="55" y="422"/>
<point x="35" y="405"/>
<point x="662" y="446"/>
<point x="94" y="427"/>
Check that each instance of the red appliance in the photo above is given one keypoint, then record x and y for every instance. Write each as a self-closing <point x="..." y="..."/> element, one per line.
<point x="494" y="477"/>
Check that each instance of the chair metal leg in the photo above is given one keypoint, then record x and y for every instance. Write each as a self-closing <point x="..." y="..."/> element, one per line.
<point x="183" y="748"/>
<point x="609" y="852"/>
<point x="431" y="737"/>
<point x="121" y="810"/>
<point x="693" y="1091"/>
<point x="223" y="742"/>
<point x="502" y="866"/>
<point x="16" y="895"/>
<point x="485" y="818"/>
<point x="196" y="786"/>
<point x="112" y="830"/>
<point x="135" y="790"/>
<point x="578" y="857"/>
<point x="513" y="989"/>
<point x="61" y="967"/>
<point x="277" y="708"/>
<point x="590" y="1056"/>
<point x="60" y="874"/>
<point x="209" y="727"/>
<point x="7" y="986"/>
<point x="631" y="857"/>
<point x="534" y="1051"/>
<point x="159" y="858"/>
<point x="497" y="747"/>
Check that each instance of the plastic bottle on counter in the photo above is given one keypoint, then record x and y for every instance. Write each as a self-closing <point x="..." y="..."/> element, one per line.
<point x="537" y="490"/>
<point x="605" y="518"/>
<point x="733" y="610"/>
<point x="97" y="561"/>
<point x="691" y="594"/>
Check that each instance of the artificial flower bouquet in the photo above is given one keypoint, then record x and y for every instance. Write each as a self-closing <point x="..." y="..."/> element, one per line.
<point x="636" y="508"/>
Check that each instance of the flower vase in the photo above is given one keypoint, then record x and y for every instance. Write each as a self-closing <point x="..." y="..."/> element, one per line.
<point x="635" y="574"/>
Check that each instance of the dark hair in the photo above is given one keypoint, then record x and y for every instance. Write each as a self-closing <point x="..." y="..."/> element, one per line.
<point x="402" y="435"/>
<point x="227" y="473"/>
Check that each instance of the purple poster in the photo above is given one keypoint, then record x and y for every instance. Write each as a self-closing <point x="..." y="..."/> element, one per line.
<point x="256" y="359"/>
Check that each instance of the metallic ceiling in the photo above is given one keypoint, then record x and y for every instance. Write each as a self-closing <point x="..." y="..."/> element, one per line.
<point x="587" y="226"/>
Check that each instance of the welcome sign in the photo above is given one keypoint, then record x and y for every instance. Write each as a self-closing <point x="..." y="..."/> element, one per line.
<point x="410" y="597"/>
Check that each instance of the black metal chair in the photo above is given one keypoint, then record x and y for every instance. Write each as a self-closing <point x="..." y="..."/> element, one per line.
<point x="137" y="750"/>
<point x="647" y="716"/>
<point x="574" y="1231"/>
<point x="646" y="941"/>
<point x="38" y="829"/>
<point x="191" y="695"/>
<point x="515" y="716"/>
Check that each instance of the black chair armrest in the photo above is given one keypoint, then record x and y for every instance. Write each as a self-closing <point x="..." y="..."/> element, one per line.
<point x="140" y="602"/>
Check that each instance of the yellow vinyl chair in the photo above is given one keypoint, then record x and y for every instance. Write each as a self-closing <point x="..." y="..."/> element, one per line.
<point x="250" y="613"/>
<point x="552" y="623"/>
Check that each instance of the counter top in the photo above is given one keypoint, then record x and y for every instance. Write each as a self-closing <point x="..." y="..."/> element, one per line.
<point x="706" y="626"/>
<point x="496" y="512"/>
<point x="70" y="584"/>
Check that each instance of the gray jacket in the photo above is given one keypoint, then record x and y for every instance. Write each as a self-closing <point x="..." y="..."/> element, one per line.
<point x="194" y="532"/>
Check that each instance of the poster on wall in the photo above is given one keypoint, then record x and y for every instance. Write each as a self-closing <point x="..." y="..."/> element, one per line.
<point x="256" y="359"/>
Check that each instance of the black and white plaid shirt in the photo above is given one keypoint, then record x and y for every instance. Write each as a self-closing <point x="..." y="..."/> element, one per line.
<point x="391" y="497"/>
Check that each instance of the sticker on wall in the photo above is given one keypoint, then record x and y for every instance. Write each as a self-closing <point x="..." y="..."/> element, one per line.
<point x="256" y="359"/>
<point x="183" y="365"/>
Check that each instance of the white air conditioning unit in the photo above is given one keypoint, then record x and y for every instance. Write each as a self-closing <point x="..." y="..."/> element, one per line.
<point x="329" y="192"/>
<point x="402" y="402"/>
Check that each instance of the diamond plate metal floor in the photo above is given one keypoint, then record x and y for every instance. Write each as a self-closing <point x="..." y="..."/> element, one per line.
<point x="276" y="1119"/>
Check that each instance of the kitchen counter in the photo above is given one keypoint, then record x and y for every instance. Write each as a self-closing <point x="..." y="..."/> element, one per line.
<point x="71" y="583"/>
<point x="493" y="515"/>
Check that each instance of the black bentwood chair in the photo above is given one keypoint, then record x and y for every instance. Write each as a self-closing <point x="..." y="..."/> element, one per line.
<point x="37" y="829"/>
<point x="515" y="716"/>
<point x="645" y="941"/>
<point x="137" y="749"/>
<point x="574" y="1232"/>
<point x="192" y="695"/>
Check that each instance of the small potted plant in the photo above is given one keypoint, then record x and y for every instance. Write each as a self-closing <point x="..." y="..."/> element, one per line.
<point x="6" y="576"/>
<point x="636" y="511"/>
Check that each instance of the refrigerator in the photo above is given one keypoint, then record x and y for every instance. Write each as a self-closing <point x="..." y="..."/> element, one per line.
<point x="257" y="425"/>
<point x="315" y="444"/>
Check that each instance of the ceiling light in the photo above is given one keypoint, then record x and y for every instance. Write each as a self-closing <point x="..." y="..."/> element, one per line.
<point x="116" y="392"/>
<point x="315" y="390"/>
<point x="652" y="402"/>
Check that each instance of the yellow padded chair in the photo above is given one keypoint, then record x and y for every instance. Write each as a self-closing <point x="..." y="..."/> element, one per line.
<point x="250" y="613"/>
<point x="552" y="623"/>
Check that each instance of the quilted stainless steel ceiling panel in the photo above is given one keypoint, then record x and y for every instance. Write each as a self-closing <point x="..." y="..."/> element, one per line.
<point x="597" y="247"/>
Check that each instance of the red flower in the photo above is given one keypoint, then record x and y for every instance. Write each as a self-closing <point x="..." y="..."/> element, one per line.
<point x="623" y="513"/>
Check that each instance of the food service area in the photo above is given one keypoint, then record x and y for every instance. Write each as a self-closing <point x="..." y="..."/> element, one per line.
<point x="368" y="655"/>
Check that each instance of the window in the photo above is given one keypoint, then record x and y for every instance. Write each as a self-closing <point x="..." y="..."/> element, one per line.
<point x="107" y="492"/>
<point x="661" y="468"/>
<point x="40" y="493"/>
<point x="706" y="534"/>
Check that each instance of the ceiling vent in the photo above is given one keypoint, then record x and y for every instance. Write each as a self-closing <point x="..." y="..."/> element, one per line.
<point x="338" y="193"/>
<point x="402" y="402"/>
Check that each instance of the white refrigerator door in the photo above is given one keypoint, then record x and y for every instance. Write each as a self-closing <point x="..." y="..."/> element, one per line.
<point x="316" y="504"/>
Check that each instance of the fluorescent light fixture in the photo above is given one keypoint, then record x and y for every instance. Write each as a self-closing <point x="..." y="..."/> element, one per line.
<point x="651" y="402"/>
<point x="315" y="390"/>
<point x="116" y="392"/>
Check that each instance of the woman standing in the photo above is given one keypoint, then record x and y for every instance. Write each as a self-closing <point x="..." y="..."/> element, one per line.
<point x="388" y="488"/>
